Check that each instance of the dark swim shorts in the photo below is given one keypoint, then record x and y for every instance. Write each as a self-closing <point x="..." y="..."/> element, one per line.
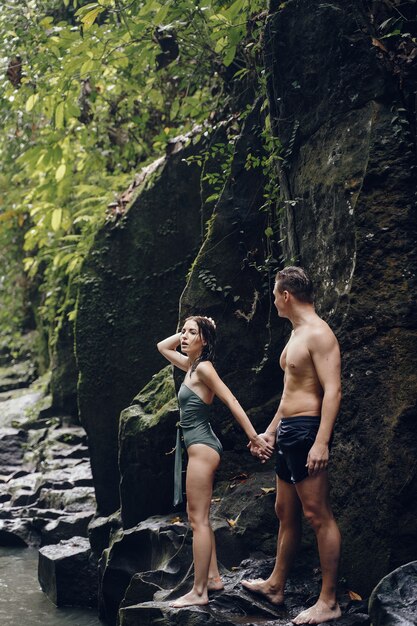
<point x="295" y="436"/>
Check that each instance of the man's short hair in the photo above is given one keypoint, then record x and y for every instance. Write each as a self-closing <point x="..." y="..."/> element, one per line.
<point x="296" y="281"/>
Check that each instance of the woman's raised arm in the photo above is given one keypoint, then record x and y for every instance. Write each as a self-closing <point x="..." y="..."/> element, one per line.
<point x="168" y="348"/>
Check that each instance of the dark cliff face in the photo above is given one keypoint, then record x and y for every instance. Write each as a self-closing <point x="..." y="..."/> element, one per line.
<point x="226" y="282"/>
<point x="128" y="300"/>
<point x="232" y="281"/>
<point x="348" y="188"/>
<point x="348" y="206"/>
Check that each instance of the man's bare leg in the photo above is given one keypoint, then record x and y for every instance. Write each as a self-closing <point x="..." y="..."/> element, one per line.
<point x="288" y="510"/>
<point x="314" y="495"/>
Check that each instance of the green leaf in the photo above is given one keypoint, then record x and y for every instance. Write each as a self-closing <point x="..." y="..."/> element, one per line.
<point x="56" y="219"/>
<point x="59" y="115"/>
<point x="86" y="9"/>
<point x="31" y="101"/>
<point x="60" y="172"/>
<point x="46" y="22"/>
<point x="236" y="8"/>
<point x="229" y="56"/>
<point x="86" y="68"/>
<point x="269" y="232"/>
<point x="162" y="13"/>
<point x="90" y="17"/>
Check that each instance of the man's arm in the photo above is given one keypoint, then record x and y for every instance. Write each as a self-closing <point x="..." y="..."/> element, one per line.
<point x="325" y="354"/>
<point x="269" y="435"/>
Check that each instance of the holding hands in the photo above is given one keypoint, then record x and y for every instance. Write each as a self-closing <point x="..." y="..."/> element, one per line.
<point x="262" y="446"/>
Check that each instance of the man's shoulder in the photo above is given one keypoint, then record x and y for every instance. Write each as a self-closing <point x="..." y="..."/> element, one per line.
<point x="319" y="331"/>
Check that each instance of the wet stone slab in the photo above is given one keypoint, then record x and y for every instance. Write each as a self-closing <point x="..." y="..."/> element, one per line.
<point x="234" y="605"/>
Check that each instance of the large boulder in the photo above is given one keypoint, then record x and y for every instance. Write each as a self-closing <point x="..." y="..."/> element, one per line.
<point x="393" y="602"/>
<point x="146" y="458"/>
<point x="128" y="299"/>
<point x="347" y="185"/>
<point x="157" y="551"/>
<point x="231" y="281"/>
<point x="68" y="574"/>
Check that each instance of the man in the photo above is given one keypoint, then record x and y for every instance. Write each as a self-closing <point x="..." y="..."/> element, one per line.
<point x="303" y="427"/>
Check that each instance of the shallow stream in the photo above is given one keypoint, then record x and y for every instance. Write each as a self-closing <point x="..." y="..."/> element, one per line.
<point x="21" y="599"/>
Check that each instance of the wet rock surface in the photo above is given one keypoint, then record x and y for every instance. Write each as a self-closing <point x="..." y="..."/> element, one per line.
<point x="394" y="599"/>
<point x="234" y="605"/>
<point x="53" y="480"/>
<point x="46" y="493"/>
<point x="149" y="565"/>
<point x="68" y="573"/>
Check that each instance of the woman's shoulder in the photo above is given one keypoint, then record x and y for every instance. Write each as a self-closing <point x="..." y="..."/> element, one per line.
<point x="205" y="368"/>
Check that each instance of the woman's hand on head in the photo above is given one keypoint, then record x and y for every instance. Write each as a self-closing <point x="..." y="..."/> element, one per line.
<point x="211" y="320"/>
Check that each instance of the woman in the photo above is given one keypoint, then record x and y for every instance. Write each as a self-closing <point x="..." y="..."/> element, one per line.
<point x="201" y="384"/>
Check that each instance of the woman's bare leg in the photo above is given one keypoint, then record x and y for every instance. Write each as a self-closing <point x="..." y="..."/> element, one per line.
<point x="214" y="580"/>
<point x="202" y="463"/>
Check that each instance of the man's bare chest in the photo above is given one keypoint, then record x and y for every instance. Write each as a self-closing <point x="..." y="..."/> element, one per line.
<point x="296" y="356"/>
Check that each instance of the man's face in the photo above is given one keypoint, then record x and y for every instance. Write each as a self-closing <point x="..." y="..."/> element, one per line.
<point x="280" y="300"/>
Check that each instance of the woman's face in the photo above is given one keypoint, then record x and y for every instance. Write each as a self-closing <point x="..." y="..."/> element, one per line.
<point x="191" y="340"/>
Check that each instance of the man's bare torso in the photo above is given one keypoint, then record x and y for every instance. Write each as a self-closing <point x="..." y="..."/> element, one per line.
<point x="302" y="393"/>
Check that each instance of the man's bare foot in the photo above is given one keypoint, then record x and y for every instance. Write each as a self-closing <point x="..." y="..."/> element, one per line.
<point x="190" y="599"/>
<point x="318" y="613"/>
<point x="214" y="583"/>
<point x="265" y="588"/>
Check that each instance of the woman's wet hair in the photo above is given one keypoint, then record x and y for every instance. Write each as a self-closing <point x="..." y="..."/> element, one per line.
<point x="296" y="281"/>
<point x="207" y="331"/>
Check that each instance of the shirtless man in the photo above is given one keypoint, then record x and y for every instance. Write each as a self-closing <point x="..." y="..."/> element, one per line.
<point x="303" y="427"/>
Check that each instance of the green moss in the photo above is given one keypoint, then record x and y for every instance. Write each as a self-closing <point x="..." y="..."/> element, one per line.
<point x="158" y="392"/>
<point x="156" y="399"/>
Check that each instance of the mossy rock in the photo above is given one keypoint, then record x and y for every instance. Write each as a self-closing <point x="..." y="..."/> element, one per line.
<point x="147" y="439"/>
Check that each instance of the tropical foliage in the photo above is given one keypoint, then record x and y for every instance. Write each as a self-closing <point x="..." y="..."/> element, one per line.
<point x="89" y="93"/>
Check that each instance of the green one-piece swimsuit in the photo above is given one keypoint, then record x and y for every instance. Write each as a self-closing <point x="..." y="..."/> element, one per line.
<point x="195" y="427"/>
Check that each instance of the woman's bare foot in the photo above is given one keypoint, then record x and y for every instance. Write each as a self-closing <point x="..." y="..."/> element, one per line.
<point x="264" y="588"/>
<point x="190" y="599"/>
<point x="318" y="613"/>
<point x="214" y="583"/>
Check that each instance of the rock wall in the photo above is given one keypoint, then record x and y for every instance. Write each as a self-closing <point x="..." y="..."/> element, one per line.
<point x="348" y="191"/>
<point x="128" y="300"/>
<point x="347" y="205"/>
<point x="231" y="281"/>
<point x="64" y="372"/>
<point x="225" y="283"/>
